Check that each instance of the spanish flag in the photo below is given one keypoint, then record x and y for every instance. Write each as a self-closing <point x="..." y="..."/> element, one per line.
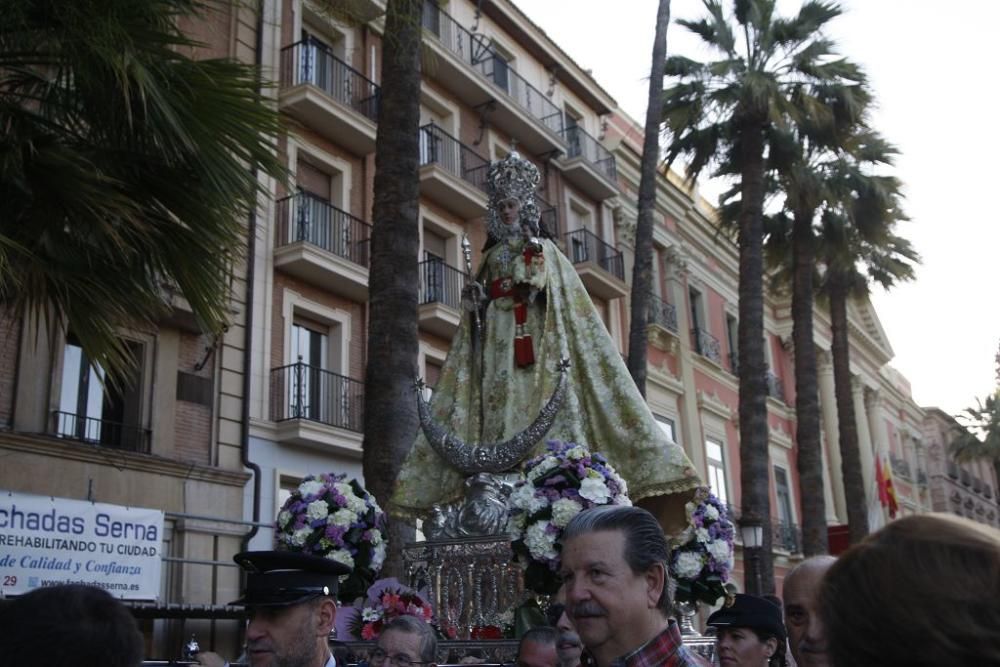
<point x="886" y="489"/>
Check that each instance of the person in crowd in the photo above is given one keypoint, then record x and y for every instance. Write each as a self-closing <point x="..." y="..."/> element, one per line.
<point x="923" y="590"/>
<point x="291" y="607"/>
<point x="615" y="582"/>
<point x="568" y="646"/>
<point x="537" y="647"/>
<point x="803" y="622"/>
<point x="749" y="633"/>
<point x="406" y="641"/>
<point x="72" y="624"/>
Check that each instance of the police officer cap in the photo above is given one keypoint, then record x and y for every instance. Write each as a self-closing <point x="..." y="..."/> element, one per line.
<point x="749" y="611"/>
<point x="281" y="578"/>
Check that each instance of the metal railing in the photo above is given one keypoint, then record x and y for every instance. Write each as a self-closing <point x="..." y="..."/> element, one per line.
<point x="301" y="391"/>
<point x="548" y="217"/>
<point x="987" y="490"/>
<point x="786" y="536"/>
<point x="706" y="345"/>
<point x="590" y="149"/>
<point x="584" y="246"/>
<point x="306" y="217"/>
<point x="441" y="283"/>
<point x="900" y="466"/>
<point x="775" y="387"/>
<point x="662" y="313"/>
<point x="952" y="470"/>
<point x="476" y="52"/>
<point x="921" y="478"/>
<point x="966" y="478"/>
<point x="439" y="147"/>
<point x="311" y="61"/>
<point x="977" y="484"/>
<point x="102" y="432"/>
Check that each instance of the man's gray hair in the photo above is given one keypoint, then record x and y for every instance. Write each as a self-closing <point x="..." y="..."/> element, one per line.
<point x="544" y="635"/>
<point x="645" y="545"/>
<point x="414" y="626"/>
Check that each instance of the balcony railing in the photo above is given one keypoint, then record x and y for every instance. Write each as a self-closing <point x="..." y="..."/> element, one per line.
<point x="476" y="52"/>
<point x="786" y="536"/>
<point x="548" y="217"/>
<point x="706" y="345"/>
<point x="102" y="432"/>
<point x="584" y="246"/>
<point x="305" y="217"/>
<point x="301" y="391"/>
<point x="977" y="484"/>
<point x="440" y="283"/>
<point x="952" y="470"/>
<point x="966" y="478"/>
<point x="987" y="490"/>
<point x="775" y="387"/>
<point x="921" y="478"/>
<point x="583" y="145"/>
<point x="662" y="313"/>
<point x="439" y="147"/>
<point x="311" y="61"/>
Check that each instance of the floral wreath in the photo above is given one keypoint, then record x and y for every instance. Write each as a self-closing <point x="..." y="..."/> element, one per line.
<point x="702" y="556"/>
<point x="338" y="519"/>
<point x="557" y="486"/>
<point x="386" y="599"/>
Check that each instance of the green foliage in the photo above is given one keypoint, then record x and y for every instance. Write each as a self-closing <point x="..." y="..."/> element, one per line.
<point x="980" y="439"/>
<point x="126" y="166"/>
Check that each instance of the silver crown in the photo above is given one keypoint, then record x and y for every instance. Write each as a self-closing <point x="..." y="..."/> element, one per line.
<point x="512" y="177"/>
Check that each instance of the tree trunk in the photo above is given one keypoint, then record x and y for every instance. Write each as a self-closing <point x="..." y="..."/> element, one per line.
<point x="756" y="500"/>
<point x="850" y="454"/>
<point x="642" y="273"/>
<point x="390" y="403"/>
<point x="807" y="427"/>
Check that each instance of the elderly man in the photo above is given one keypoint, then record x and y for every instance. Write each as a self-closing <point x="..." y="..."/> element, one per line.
<point x="538" y="648"/>
<point x="568" y="646"/>
<point x="806" y="635"/>
<point x="289" y="598"/>
<point x="406" y="641"/>
<point x="614" y="570"/>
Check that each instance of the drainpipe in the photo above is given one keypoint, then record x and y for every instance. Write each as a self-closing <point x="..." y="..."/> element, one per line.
<point x="248" y="325"/>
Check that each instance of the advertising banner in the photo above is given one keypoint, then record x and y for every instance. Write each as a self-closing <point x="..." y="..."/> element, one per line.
<point x="49" y="541"/>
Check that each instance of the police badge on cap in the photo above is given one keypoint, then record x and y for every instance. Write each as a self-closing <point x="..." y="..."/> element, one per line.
<point x="282" y="578"/>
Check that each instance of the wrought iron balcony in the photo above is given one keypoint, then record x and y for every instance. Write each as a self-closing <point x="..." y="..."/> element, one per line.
<point x="706" y="345"/>
<point x="522" y="110"/>
<point x="662" y="314"/>
<point x="966" y="478"/>
<point x="301" y="391"/>
<point x="451" y="173"/>
<point x="977" y="484"/>
<point x="786" y="536"/>
<point x="102" y="432"/>
<point x="590" y="149"/>
<point x="548" y="217"/>
<point x="585" y="246"/>
<point x="305" y="217"/>
<point x="775" y="387"/>
<point x="900" y="466"/>
<point x="921" y="478"/>
<point x="952" y="470"/>
<point x="440" y="283"/>
<point x="314" y="82"/>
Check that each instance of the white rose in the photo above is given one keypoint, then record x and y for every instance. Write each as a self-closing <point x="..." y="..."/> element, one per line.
<point x="720" y="551"/>
<point x="298" y="538"/>
<point x="702" y="535"/>
<point x="284" y="517"/>
<point x="343" y="517"/>
<point x="563" y="510"/>
<point x="594" y="490"/>
<point x="688" y="565"/>
<point x="711" y="513"/>
<point x="541" y="545"/>
<point x="342" y="556"/>
<point x="317" y="509"/>
<point x="310" y="488"/>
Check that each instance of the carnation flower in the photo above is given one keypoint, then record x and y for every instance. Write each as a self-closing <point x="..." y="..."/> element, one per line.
<point x="310" y="488"/>
<point x="563" y="510"/>
<point x="702" y="535"/>
<point x="688" y="565"/>
<point x="721" y="551"/>
<point x="317" y="509"/>
<point x="385" y="600"/>
<point x="342" y="556"/>
<point x="594" y="490"/>
<point x="541" y="544"/>
<point x="343" y="517"/>
<point x="298" y="538"/>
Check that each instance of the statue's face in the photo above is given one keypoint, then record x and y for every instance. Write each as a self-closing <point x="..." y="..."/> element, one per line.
<point x="509" y="210"/>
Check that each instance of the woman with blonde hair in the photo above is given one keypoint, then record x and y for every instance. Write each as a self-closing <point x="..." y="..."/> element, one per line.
<point x="924" y="590"/>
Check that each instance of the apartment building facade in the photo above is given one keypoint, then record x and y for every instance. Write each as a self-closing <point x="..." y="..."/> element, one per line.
<point x="282" y="389"/>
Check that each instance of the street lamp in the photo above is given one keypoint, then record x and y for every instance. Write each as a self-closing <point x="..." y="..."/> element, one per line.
<point x="752" y="532"/>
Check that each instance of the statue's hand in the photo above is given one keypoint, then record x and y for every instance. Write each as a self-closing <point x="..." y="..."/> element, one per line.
<point x="473" y="296"/>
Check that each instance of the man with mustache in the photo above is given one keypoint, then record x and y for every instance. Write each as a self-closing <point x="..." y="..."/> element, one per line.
<point x="614" y="571"/>
<point x="568" y="646"/>
<point x="800" y="593"/>
<point x="289" y="598"/>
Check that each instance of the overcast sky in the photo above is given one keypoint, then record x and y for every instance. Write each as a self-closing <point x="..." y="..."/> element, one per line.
<point x="932" y="66"/>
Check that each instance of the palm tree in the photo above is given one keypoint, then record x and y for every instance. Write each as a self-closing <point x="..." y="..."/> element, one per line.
<point x="861" y="248"/>
<point x="981" y="437"/>
<point x="126" y="166"/>
<point x="390" y="404"/>
<point x="642" y="271"/>
<point x="719" y="112"/>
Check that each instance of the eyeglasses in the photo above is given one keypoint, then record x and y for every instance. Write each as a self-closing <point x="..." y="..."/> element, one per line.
<point x="379" y="657"/>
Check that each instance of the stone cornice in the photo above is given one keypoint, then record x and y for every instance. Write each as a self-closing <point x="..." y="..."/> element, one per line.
<point x="69" y="450"/>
